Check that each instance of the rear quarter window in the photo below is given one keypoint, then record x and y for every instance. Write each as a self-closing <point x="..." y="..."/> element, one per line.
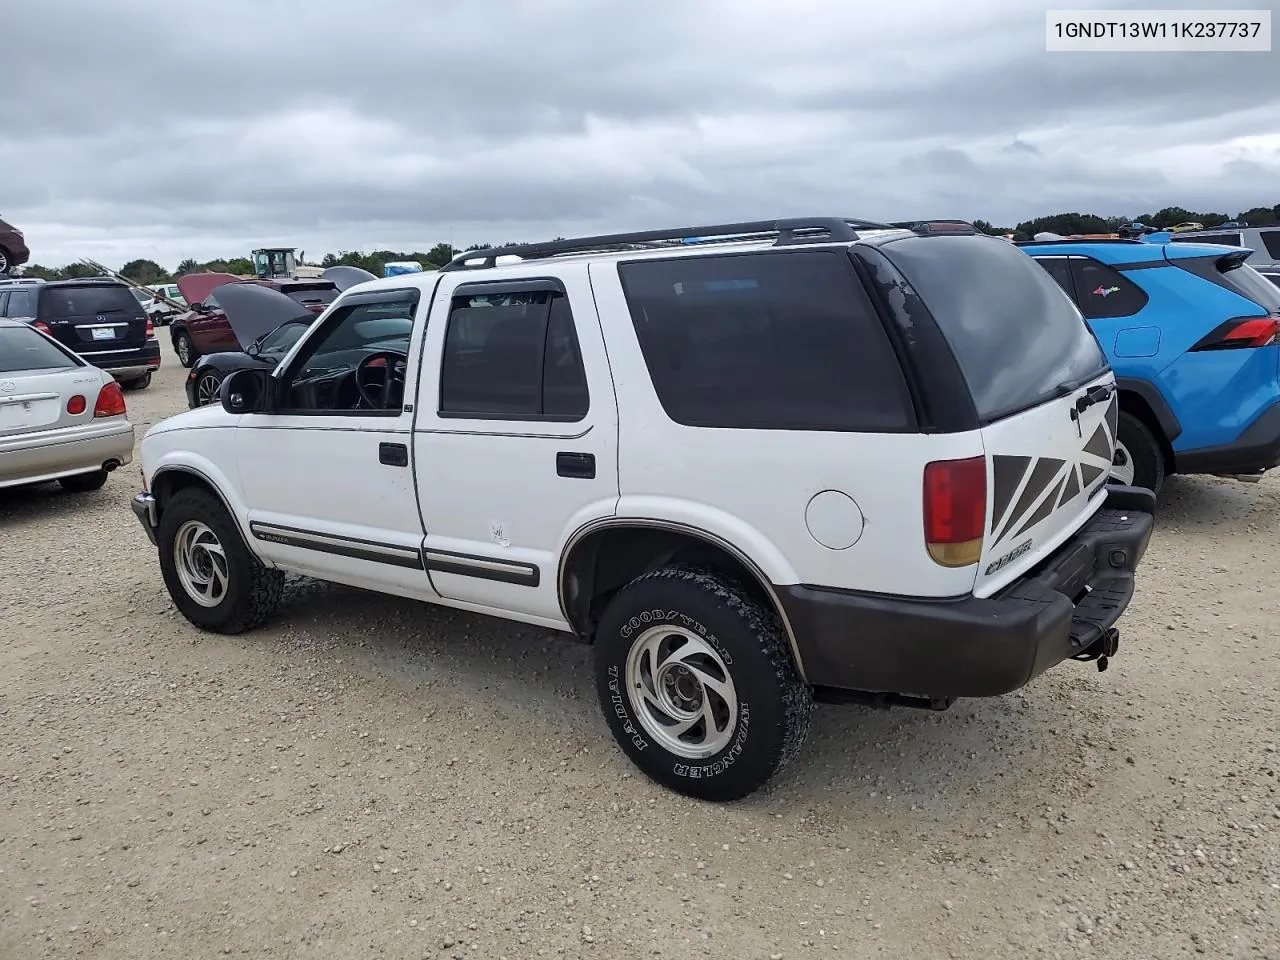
<point x="766" y="341"/>
<point x="1016" y="337"/>
<point x="1104" y="292"/>
<point x="1271" y="241"/>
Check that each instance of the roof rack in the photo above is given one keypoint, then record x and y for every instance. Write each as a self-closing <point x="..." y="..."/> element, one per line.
<point x="796" y="230"/>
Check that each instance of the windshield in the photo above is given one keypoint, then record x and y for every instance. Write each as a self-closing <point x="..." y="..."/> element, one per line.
<point x="283" y="337"/>
<point x="88" y="301"/>
<point x="21" y="348"/>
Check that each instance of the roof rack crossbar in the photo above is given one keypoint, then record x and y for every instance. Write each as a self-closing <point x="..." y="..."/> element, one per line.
<point x="786" y="232"/>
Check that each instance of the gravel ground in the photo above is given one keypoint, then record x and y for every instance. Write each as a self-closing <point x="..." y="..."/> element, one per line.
<point x="371" y="777"/>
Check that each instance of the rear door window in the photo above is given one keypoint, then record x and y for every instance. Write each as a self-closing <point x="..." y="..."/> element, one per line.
<point x="1104" y="292"/>
<point x="1016" y="338"/>
<point x="1060" y="269"/>
<point x="766" y="341"/>
<point x="87" y="301"/>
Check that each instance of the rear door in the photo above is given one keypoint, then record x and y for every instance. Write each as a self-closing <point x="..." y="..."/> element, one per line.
<point x="1042" y="387"/>
<point x="93" y="318"/>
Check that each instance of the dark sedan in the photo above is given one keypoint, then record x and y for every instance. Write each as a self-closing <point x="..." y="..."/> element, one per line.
<point x="208" y="372"/>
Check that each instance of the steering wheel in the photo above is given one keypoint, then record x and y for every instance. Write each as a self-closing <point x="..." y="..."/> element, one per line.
<point x="376" y="374"/>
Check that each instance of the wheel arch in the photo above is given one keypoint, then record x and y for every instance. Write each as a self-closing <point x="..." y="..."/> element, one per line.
<point x="604" y="555"/>
<point x="170" y="479"/>
<point x="1141" y="399"/>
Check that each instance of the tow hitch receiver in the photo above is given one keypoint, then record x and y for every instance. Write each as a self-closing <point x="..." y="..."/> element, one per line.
<point x="1102" y="650"/>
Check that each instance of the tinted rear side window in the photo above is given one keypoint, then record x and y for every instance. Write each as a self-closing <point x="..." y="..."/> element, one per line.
<point x="1103" y="292"/>
<point x="766" y="341"/>
<point x="1271" y="241"/>
<point x="1016" y="337"/>
<point x="88" y="301"/>
<point x="21" y="348"/>
<point x="1060" y="269"/>
<point x="22" y="303"/>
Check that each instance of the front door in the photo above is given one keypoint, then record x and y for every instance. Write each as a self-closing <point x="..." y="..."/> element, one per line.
<point x="329" y="475"/>
<point x="516" y="438"/>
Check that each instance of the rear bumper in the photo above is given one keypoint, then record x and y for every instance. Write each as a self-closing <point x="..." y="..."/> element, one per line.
<point x="38" y="457"/>
<point x="126" y="363"/>
<point x="1255" y="450"/>
<point x="972" y="647"/>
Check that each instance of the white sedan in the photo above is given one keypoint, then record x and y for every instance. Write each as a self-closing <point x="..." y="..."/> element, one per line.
<point x="60" y="419"/>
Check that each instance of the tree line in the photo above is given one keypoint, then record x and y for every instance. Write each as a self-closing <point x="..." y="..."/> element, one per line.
<point x="148" y="271"/>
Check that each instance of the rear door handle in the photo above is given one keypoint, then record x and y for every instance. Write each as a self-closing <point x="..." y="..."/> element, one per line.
<point x="393" y="454"/>
<point x="580" y="465"/>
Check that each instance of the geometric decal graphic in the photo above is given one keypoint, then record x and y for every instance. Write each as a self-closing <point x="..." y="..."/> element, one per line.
<point x="1027" y="490"/>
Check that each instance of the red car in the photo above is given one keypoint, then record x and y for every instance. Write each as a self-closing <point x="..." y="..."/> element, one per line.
<point x="204" y="329"/>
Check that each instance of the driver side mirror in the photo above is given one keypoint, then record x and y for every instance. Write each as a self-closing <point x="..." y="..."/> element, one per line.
<point x="246" y="391"/>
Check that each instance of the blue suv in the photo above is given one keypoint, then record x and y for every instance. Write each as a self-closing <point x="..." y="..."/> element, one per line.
<point x="1193" y="334"/>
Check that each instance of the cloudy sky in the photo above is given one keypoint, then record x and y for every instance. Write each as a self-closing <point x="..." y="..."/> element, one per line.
<point x="129" y="129"/>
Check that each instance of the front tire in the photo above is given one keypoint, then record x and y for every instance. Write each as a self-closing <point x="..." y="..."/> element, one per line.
<point x="207" y="388"/>
<point x="1139" y="461"/>
<point x="185" y="349"/>
<point x="213" y="579"/>
<point x="83" y="482"/>
<point x="698" y="684"/>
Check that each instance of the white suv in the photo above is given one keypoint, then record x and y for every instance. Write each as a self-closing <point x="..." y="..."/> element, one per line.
<point x="754" y="464"/>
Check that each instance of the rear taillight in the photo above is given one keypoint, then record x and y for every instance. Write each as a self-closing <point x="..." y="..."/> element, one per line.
<point x="110" y="401"/>
<point x="1241" y="332"/>
<point x="43" y="328"/>
<point x="151" y="330"/>
<point x="955" y="510"/>
<point x="76" y="405"/>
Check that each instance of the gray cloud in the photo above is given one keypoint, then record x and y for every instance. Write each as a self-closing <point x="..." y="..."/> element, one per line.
<point x="134" y="131"/>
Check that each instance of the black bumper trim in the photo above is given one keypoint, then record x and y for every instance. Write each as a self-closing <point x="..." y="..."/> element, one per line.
<point x="144" y="356"/>
<point x="1255" y="450"/>
<point x="144" y="508"/>
<point x="970" y="647"/>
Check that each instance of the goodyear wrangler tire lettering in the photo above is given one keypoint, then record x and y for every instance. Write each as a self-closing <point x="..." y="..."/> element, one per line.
<point x="686" y="659"/>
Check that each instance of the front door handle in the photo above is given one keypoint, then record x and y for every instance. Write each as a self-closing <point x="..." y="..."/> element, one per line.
<point x="580" y="465"/>
<point x="393" y="454"/>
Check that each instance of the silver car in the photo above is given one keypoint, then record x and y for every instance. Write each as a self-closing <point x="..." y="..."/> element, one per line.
<point x="60" y="418"/>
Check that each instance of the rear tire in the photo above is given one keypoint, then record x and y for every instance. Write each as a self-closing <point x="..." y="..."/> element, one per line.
<point x="138" y="383"/>
<point x="84" y="482"/>
<point x="1139" y="461"/>
<point x="213" y="579"/>
<point x="684" y="647"/>
<point x="185" y="349"/>
<point x="5" y="264"/>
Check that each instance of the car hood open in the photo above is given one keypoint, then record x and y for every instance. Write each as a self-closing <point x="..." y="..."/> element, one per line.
<point x="194" y="287"/>
<point x="253" y="310"/>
